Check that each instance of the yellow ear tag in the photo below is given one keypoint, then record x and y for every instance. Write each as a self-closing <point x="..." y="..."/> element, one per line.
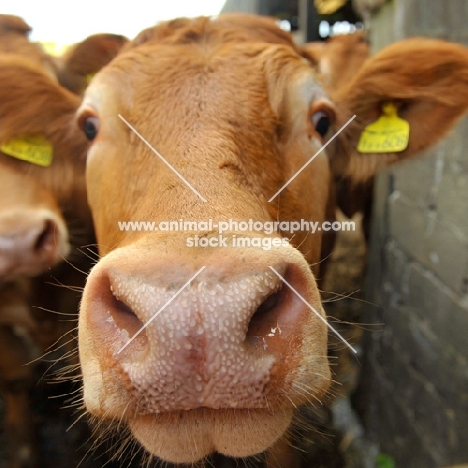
<point x="388" y="134"/>
<point x="32" y="148"/>
<point x="89" y="77"/>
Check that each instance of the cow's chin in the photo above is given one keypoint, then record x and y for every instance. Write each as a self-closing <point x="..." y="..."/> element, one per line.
<point x="189" y="436"/>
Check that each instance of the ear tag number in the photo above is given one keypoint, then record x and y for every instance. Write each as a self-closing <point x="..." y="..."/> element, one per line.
<point x="388" y="134"/>
<point x="34" y="149"/>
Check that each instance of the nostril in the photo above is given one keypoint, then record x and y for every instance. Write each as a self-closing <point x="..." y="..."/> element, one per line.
<point x="265" y="319"/>
<point x="281" y="313"/>
<point x="124" y="317"/>
<point x="48" y="238"/>
<point x="268" y="304"/>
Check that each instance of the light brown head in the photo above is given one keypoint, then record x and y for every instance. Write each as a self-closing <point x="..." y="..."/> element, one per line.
<point x="202" y="349"/>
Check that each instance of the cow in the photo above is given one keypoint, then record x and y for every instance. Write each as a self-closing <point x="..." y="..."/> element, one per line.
<point x="41" y="152"/>
<point x="203" y="349"/>
<point x="43" y="218"/>
<point x="79" y="64"/>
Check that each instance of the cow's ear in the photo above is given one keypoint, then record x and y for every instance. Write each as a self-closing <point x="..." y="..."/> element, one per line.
<point x="14" y="23"/>
<point x="423" y="82"/>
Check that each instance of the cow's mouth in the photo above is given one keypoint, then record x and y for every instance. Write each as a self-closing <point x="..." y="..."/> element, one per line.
<point x="189" y="436"/>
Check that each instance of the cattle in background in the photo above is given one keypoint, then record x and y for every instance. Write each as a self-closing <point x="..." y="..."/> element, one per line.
<point x="230" y="357"/>
<point x="43" y="217"/>
<point x="83" y="60"/>
<point x="14" y="32"/>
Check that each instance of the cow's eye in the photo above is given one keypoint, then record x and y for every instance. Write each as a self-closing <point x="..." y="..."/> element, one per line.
<point x="90" y="127"/>
<point x="321" y="121"/>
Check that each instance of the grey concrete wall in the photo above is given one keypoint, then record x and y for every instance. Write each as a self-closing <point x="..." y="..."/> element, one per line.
<point x="246" y="6"/>
<point x="414" y="389"/>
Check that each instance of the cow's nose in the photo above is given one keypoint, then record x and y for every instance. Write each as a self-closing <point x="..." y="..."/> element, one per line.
<point x="218" y="342"/>
<point x="30" y="242"/>
<point x="243" y="309"/>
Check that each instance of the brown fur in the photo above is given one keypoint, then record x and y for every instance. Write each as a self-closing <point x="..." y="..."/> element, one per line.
<point x="233" y="27"/>
<point x="14" y="40"/>
<point x="16" y="379"/>
<point x="33" y="103"/>
<point x="234" y="117"/>
<point x="12" y="23"/>
<point x="338" y="59"/>
<point x="87" y="58"/>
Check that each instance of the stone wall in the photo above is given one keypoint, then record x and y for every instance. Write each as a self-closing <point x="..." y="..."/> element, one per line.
<point x="414" y="391"/>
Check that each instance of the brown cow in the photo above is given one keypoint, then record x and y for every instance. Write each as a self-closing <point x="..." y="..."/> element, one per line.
<point x="229" y="349"/>
<point x="33" y="235"/>
<point x="83" y="60"/>
<point x="43" y="212"/>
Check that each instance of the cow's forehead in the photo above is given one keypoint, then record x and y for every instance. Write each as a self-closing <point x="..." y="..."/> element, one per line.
<point x="146" y="73"/>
